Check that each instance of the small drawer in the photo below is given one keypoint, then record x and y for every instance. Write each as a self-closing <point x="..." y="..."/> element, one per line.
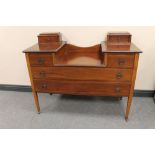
<point x="82" y="87"/>
<point x="41" y="59"/>
<point x="118" y="38"/>
<point x="49" y="38"/>
<point x="120" y="60"/>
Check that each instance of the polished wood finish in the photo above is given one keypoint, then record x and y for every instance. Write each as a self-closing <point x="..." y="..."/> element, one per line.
<point x="103" y="69"/>
<point x="74" y="55"/>
<point x="117" y="60"/>
<point x="32" y="84"/>
<point x="116" y="38"/>
<point x="132" y="85"/>
<point x="41" y="59"/>
<point x="82" y="87"/>
<point x="88" y="74"/>
<point x="46" y="48"/>
<point x="123" y="48"/>
<point x="47" y="38"/>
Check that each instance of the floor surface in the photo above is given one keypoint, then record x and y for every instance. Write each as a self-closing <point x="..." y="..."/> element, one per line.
<point x="17" y="110"/>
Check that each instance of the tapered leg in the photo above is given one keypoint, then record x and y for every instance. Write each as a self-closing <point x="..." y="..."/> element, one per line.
<point x="33" y="88"/>
<point x="128" y="107"/>
<point x="36" y="101"/>
<point x="136" y="57"/>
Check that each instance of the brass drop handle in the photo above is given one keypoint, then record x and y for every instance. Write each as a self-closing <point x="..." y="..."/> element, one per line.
<point x="44" y="86"/>
<point x="121" y="62"/>
<point x="119" y="75"/>
<point x="117" y="89"/>
<point x="42" y="74"/>
<point x="41" y="61"/>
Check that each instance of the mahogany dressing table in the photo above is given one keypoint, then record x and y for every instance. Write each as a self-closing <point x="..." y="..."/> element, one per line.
<point x="106" y="69"/>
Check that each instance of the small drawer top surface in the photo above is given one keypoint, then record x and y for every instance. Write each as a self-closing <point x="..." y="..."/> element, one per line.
<point x="52" y="47"/>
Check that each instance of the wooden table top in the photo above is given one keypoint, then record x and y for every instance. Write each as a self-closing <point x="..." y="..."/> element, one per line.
<point x="105" y="48"/>
<point x="52" y="47"/>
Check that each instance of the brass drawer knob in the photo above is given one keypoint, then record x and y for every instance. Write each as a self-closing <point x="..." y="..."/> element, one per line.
<point x="42" y="74"/>
<point x="119" y="75"/>
<point x="121" y="62"/>
<point x="41" y="61"/>
<point x="44" y="86"/>
<point x="117" y="89"/>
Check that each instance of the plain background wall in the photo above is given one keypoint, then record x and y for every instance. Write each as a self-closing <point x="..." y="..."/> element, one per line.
<point x="13" y="40"/>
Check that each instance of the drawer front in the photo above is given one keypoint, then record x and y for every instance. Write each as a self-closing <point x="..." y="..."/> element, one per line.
<point x="48" y="39"/>
<point x="80" y="73"/>
<point x="41" y="59"/>
<point x="82" y="87"/>
<point x="119" y="39"/>
<point x="120" y="60"/>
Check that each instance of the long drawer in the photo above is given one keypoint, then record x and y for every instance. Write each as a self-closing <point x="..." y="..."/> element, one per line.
<point x="82" y="87"/>
<point x="81" y="73"/>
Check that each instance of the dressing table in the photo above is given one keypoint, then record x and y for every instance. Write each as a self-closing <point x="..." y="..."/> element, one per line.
<point x="105" y="69"/>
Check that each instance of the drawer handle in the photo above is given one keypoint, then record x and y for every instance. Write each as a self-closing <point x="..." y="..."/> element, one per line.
<point x="42" y="74"/>
<point x="41" y="61"/>
<point x="121" y="62"/>
<point x="117" y="90"/>
<point x="119" y="75"/>
<point x="44" y="86"/>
